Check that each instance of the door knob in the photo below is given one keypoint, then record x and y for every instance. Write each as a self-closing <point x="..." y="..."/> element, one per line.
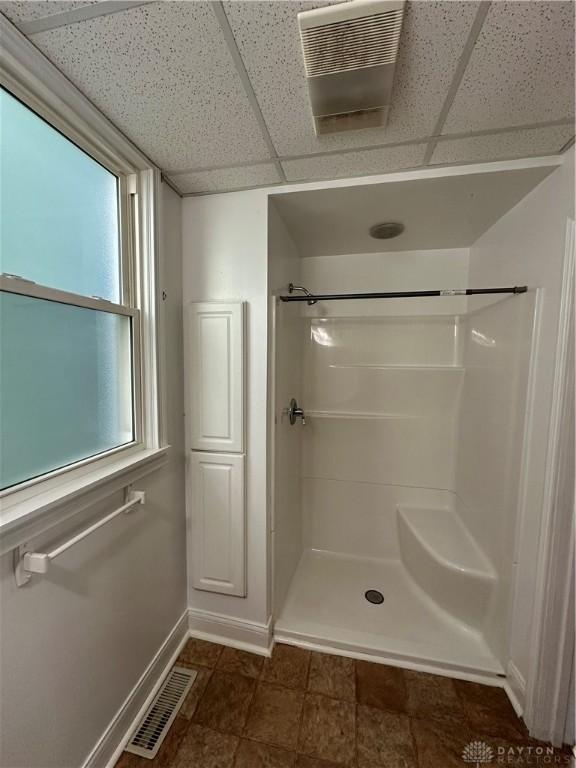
<point x="294" y="412"/>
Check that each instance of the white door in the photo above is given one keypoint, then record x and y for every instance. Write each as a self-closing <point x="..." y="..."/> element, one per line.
<point x="216" y="519"/>
<point x="214" y="341"/>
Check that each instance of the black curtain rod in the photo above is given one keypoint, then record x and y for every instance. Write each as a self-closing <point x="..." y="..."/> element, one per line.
<point x="313" y="298"/>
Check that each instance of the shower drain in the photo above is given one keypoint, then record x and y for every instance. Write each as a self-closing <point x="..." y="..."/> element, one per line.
<point x="374" y="596"/>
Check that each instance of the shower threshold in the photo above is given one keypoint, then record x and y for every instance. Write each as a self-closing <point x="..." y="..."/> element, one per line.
<point x="326" y="608"/>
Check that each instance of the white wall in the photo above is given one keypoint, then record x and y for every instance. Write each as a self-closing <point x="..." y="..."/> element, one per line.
<point x="285" y="382"/>
<point x="496" y="355"/>
<point x="225" y="257"/>
<point x="75" y="642"/>
<point x="527" y="247"/>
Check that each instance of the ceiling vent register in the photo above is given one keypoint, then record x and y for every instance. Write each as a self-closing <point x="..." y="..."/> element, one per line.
<point x="350" y="52"/>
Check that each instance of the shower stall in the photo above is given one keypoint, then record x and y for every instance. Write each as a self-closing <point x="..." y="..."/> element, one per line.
<point x="398" y="432"/>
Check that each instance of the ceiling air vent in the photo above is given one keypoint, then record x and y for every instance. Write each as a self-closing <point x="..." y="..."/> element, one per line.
<point x="350" y="53"/>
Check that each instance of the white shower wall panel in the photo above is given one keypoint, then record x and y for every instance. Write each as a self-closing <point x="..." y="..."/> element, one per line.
<point x="287" y="516"/>
<point x="394" y="391"/>
<point x="360" y="519"/>
<point x="382" y="397"/>
<point x="497" y="349"/>
<point x="387" y="341"/>
<point x="411" y="450"/>
<point x="392" y="271"/>
<point x="497" y="344"/>
<point x="286" y="382"/>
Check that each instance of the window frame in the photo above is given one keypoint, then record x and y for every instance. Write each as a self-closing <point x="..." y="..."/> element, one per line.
<point x="30" y="289"/>
<point x="27" y="75"/>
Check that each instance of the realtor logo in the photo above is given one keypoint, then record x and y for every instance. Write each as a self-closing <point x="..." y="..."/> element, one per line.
<point x="478" y="753"/>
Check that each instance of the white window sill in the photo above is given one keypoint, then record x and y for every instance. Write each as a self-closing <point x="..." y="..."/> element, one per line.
<point x="21" y="520"/>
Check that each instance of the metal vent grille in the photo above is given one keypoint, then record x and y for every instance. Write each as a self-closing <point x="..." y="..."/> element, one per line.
<point x="155" y="724"/>
<point x="367" y="41"/>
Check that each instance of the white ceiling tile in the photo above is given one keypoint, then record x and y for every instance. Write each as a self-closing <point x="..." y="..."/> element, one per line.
<point x="227" y="179"/>
<point x="536" y="141"/>
<point x="363" y="163"/>
<point x="30" y="10"/>
<point x="163" y="74"/>
<point x="433" y="38"/>
<point x="521" y="70"/>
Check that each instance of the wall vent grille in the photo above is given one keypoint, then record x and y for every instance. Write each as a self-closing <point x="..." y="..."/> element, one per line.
<point x="155" y="724"/>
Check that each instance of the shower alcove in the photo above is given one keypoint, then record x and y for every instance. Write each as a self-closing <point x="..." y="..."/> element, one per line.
<point x="405" y="477"/>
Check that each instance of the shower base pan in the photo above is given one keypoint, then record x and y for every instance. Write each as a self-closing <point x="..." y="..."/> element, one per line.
<point x="326" y="608"/>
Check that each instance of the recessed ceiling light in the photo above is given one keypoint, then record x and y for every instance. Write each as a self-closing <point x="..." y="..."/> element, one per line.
<point x="387" y="230"/>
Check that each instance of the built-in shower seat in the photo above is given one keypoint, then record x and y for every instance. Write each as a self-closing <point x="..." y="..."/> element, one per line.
<point x="442" y="557"/>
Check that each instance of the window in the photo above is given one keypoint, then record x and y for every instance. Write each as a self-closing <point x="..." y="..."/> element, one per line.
<point x="69" y="327"/>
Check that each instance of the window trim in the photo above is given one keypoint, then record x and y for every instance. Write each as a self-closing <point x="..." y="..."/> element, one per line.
<point x="127" y="200"/>
<point x="31" y="77"/>
<point x="71" y="494"/>
<point x="23" y="287"/>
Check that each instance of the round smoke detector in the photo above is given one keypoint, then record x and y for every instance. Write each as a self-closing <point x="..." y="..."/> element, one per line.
<point x="387" y="230"/>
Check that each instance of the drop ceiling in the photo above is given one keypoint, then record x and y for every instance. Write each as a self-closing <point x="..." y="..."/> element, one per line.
<point x="215" y="93"/>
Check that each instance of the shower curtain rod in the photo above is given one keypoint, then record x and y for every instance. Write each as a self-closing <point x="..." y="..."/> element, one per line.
<point x="314" y="298"/>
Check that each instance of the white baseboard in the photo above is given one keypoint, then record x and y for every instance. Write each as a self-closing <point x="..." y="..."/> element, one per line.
<point x="515" y="687"/>
<point x="114" y="739"/>
<point x="237" y="633"/>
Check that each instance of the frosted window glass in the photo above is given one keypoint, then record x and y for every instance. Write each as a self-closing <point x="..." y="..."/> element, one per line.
<point x="65" y="385"/>
<point x="59" y="219"/>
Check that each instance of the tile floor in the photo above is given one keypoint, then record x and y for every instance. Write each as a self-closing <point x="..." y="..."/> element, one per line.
<point x="310" y="710"/>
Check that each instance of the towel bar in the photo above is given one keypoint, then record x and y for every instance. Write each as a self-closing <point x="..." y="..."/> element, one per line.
<point x="28" y="562"/>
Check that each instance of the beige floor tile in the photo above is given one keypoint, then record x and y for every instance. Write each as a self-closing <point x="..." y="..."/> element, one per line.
<point x="433" y="697"/>
<point x="381" y="686"/>
<point x="440" y="745"/>
<point x="200" y="652"/>
<point x="204" y="748"/>
<point x="489" y="712"/>
<point x="288" y="666"/>
<point x="303" y="761"/>
<point x="332" y="676"/>
<point x="328" y="729"/>
<point x="254" y="754"/>
<point x="225" y="703"/>
<point x="240" y="662"/>
<point x="384" y="739"/>
<point x="275" y="715"/>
